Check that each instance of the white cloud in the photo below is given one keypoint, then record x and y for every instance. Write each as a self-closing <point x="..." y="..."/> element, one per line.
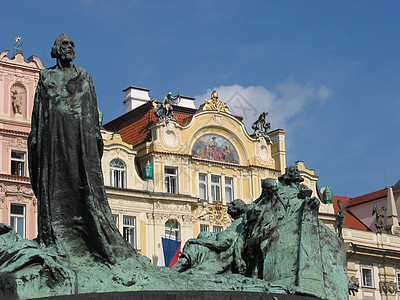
<point x="288" y="100"/>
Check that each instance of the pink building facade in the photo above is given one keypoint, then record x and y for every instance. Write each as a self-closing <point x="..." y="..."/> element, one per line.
<point x="18" y="80"/>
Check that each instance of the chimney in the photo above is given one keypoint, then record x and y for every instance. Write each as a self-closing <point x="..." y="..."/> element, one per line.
<point x="135" y="96"/>
<point x="187" y="101"/>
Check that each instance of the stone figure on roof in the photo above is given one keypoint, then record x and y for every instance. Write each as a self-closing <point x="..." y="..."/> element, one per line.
<point x="65" y="149"/>
<point x="261" y="126"/>
<point x="379" y="212"/>
<point x="340" y="217"/>
<point x="164" y="111"/>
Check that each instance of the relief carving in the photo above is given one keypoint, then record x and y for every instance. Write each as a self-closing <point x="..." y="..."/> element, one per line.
<point x="170" y="136"/>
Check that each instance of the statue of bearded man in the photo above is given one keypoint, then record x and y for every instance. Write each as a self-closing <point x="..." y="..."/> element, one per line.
<point x="65" y="150"/>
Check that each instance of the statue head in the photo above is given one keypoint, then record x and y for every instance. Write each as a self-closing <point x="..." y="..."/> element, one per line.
<point x="291" y="175"/>
<point x="64" y="48"/>
<point x="269" y="186"/>
<point x="236" y="208"/>
<point x="214" y="95"/>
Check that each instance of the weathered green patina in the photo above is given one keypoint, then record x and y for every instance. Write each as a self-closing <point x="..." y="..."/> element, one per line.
<point x="282" y="241"/>
<point x="65" y="149"/>
<point x="277" y="244"/>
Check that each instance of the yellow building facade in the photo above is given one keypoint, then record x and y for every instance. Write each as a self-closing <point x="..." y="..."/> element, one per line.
<point x="200" y="163"/>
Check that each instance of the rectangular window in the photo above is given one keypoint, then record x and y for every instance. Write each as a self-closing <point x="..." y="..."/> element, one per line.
<point x="17" y="218"/>
<point x="398" y="281"/>
<point x="129" y="230"/>
<point x="217" y="228"/>
<point x="204" y="227"/>
<point x="115" y="219"/>
<point x="18" y="163"/>
<point x="228" y="190"/>
<point x="203" y="186"/>
<point x="216" y="188"/>
<point x="171" y="180"/>
<point x="367" y="278"/>
<point x="172" y="230"/>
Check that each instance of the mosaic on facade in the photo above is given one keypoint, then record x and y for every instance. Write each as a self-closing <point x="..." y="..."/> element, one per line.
<point x="214" y="147"/>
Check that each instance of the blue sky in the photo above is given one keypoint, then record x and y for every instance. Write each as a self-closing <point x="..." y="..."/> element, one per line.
<point x="327" y="71"/>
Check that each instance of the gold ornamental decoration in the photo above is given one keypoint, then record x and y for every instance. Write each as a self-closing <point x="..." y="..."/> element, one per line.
<point x="216" y="212"/>
<point x="215" y="104"/>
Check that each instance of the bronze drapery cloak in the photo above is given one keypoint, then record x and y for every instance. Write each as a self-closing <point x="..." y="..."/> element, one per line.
<point x="65" y="150"/>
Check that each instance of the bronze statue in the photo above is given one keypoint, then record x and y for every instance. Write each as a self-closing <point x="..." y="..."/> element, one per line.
<point x="65" y="149"/>
<point x="213" y="252"/>
<point x="259" y="222"/>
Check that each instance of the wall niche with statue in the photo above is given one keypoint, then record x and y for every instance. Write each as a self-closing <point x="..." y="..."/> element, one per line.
<point x="18" y="100"/>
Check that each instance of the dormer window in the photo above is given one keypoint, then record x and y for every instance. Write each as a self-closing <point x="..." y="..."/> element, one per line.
<point x="117" y="173"/>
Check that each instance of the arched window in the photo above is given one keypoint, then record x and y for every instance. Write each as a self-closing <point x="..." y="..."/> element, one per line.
<point x="117" y="173"/>
<point x="172" y="230"/>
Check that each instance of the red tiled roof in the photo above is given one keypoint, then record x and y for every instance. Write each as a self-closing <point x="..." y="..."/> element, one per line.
<point x="134" y="126"/>
<point x="368" y="198"/>
<point x="351" y="220"/>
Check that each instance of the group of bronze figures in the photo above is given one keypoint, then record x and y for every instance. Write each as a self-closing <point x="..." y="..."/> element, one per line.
<point x="278" y="238"/>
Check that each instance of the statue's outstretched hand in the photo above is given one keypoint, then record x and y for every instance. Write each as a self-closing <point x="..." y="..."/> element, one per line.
<point x="312" y="203"/>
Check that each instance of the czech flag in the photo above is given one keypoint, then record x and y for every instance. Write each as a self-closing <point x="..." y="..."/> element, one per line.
<point x="169" y="252"/>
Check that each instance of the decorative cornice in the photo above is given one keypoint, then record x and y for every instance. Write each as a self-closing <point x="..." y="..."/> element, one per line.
<point x="14" y="177"/>
<point x="13" y="132"/>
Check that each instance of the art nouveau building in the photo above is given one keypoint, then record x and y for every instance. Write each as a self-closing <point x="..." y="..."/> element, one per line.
<point x="199" y="163"/>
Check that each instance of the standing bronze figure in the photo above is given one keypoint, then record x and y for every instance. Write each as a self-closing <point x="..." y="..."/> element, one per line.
<point x="65" y="149"/>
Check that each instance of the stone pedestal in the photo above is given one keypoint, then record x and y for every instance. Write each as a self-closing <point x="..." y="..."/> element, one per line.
<point x="182" y="295"/>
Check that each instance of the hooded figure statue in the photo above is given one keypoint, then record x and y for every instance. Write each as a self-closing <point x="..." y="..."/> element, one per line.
<point x="65" y="150"/>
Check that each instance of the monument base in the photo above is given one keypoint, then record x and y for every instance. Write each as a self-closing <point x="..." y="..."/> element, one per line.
<point x="182" y="295"/>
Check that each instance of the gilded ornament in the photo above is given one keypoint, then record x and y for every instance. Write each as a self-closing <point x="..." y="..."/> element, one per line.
<point x="215" y="104"/>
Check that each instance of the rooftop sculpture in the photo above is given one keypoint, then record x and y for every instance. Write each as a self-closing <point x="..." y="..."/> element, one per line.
<point x="164" y="111"/>
<point x="340" y="217"/>
<point x="276" y="244"/>
<point x="261" y="126"/>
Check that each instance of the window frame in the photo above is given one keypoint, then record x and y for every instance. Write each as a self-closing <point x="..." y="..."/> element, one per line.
<point x="116" y="220"/>
<point x="229" y="187"/>
<point x="118" y="173"/>
<point x="215" y="189"/>
<point x="203" y="183"/>
<point x="363" y="283"/>
<point x="171" y="180"/>
<point x="129" y="230"/>
<point x="16" y="217"/>
<point x="204" y="227"/>
<point x="16" y="162"/>
<point x="217" y="228"/>
<point x="398" y="281"/>
<point x="173" y="231"/>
